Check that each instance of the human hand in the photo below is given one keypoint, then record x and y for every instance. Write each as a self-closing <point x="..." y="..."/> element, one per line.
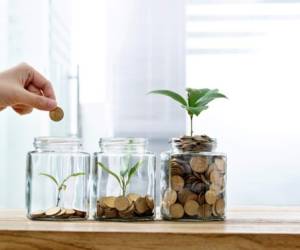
<point x="23" y="88"/>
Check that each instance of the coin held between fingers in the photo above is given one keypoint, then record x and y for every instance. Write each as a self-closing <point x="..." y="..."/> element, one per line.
<point x="56" y="114"/>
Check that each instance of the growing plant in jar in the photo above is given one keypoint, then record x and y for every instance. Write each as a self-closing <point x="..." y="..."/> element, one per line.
<point x="195" y="103"/>
<point x="193" y="180"/>
<point x="127" y="205"/>
<point x="57" y="211"/>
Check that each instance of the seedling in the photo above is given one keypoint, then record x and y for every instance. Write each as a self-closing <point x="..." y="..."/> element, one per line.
<point x="196" y="102"/>
<point x="125" y="175"/>
<point x="61" y="186"/>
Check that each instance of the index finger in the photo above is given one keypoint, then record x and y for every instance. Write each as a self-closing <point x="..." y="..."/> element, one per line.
<point x="43" y="84"/>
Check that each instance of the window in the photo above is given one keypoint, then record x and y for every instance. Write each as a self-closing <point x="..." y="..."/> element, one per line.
<point x="250" y="50"/>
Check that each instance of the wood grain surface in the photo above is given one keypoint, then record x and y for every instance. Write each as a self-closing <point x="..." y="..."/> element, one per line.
<point x="245" y="228"/>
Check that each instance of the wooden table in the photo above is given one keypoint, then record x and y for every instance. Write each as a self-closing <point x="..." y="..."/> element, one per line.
<point x="245" y="228"/>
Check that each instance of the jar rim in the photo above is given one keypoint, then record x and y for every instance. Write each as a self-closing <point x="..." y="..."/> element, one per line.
<point x="61" y="141"/>
<point x="122" y="141"/>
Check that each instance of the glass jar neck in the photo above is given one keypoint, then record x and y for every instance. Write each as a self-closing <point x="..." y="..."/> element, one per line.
<point x="193" y="144"/>
<point x="57" y="144"/>
<point x="123" y="145"/>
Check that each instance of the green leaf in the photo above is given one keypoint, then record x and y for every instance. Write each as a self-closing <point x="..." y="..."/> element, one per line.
<point x="133" y="171"/>
<point x="170" y="94"/>
<point x="125" y="166"/>
<point x="63" y="186"/>
<point x="51" y="177"/>
<point x="106" y="169"/>
<point x="196" y="110"/>
<point x="209" y="96"/>
<point x="194" y="95"/>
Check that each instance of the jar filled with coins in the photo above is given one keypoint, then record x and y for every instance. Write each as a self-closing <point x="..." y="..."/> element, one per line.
<point x="124" y="180"/>
<point x="57" y="177"/>
<point x="193" y="180"/>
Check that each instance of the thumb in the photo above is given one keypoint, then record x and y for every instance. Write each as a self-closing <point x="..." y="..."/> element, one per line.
<point x="37" y="101"/>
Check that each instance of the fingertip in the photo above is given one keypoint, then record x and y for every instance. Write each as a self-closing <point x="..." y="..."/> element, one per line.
<point x="52" y="104"/>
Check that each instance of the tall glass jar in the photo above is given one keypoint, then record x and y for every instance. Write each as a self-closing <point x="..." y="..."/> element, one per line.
<point x="124" y="180"/>
<point x="193" y="180"/>
<point x="57" y="180"/>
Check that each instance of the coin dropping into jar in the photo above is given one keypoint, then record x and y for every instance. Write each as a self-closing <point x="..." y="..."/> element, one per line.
<point x="56" y="114"/>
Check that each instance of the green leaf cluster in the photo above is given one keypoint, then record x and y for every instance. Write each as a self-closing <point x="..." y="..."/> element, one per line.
<point x="196" y="101"/>
<point x="61" y="186"/>
<point x="125" y="175"/>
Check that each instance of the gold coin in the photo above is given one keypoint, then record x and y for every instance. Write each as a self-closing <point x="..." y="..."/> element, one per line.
<point x="62" y="212"/>
<point x="109" y="201"/>
<point x="53" y="211"/>
<point x="150" y="202"/>
<point x="220" y="207"/>
<point x="132" y="197"/>
<point x="199" y="164"/>
<point x="38" y="213"/>
<point x="210" y="197"/>
<point x="176" y="211"/>
<point x="56" y="114"/>
<point x="170" y="197"/>
<point x="177" y="182"/>
<point x="121" y="203"/>
<point x="141" y="205"/>
<point x="191" y="207"/>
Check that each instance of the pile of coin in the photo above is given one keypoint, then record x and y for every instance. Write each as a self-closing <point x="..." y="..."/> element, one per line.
<point x="196" y="189"/>
<point x="195" y="143"/>
<point x="58" y="213"/>
<point x="132" y="206"/>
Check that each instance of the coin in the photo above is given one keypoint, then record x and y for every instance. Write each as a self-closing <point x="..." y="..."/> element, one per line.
<point x="56" y="114"/>
<point x="220" y="165"/>
<point x="38" y="213"/>
<point x="150" y="202"/>
<point x="79" y="213"/>
<point x="109" y="201"/>
<point x="53" y="211"/>
<point x="191" y="207"/>
<point x="110" y="212"/>
<point x="177" y="182"/>
<point x="61" y="213"/>
<point x="210" y="197"/>
<point x="186" y="195"/>
<point x="122" y="203"/>
<point x="176" y="211"/>
<point x="141" y="205"/>
<point x="69" y="212"/>
<point x="215" y="177"/>
<point x="132" y="197"/>
<point x="100" y="211"/>
<point x="220" y="207"/>
<point x="199" y="164"/>
<point x="170" y="197"/>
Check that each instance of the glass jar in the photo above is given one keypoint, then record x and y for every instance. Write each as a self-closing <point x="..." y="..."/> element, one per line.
<point x="193" y="180"/>
<point x="57" y="177"/>
<point x="124" y="180"/>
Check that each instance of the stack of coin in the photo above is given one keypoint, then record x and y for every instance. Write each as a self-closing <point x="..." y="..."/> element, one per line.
<point x="130" y="207"/>
<point x="197" y="187"/>
<point x="195" y="143"/>
<point x="57" y="213"/>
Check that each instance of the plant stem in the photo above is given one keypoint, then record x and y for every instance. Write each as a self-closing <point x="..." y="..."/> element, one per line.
<point x="191" y="117"/>
<point x="58" y="198"/>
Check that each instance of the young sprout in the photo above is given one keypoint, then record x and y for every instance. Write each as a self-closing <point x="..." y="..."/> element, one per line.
<point x="196" y="101"/>
<point x="125" y="175"/>
<point x="61" y="186"/>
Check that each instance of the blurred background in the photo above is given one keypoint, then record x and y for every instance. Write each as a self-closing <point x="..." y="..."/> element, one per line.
<point x="103" y="56"/>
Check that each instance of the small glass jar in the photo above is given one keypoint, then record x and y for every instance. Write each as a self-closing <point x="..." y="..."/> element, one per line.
<point x="124" y="180"/>
<point x="57" y="180"/>
<point x="193" y="180"/>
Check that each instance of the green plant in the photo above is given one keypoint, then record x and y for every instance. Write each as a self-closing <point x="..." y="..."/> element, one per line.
<point x="125" y="175"/>
<point x="196" y="101"/>
<point x="61" y="186"/>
